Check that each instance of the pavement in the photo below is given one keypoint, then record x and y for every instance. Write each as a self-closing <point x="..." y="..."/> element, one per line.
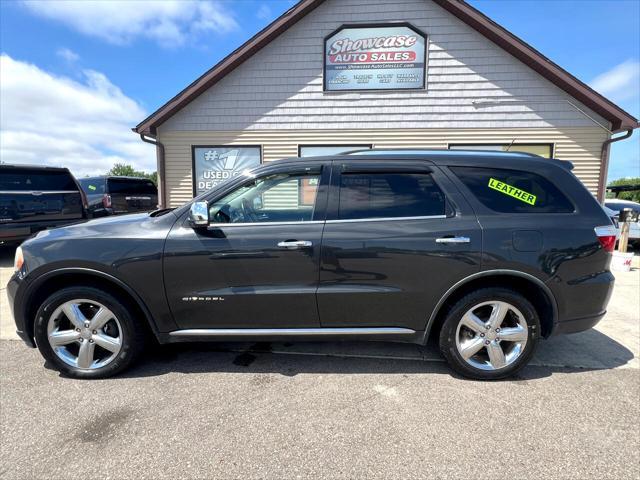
<point x="335" y="410"/>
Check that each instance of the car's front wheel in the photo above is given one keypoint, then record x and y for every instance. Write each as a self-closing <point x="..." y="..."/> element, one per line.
<point x="490" y="333"/>
<point x="87" y="333"/>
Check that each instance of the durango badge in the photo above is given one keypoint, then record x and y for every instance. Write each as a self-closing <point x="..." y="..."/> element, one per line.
<point x="512" y="191"/>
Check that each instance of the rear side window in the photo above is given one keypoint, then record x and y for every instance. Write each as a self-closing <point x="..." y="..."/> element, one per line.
<point x="513" y="191"/>
<point x="134" y="187"/>
<point x="92" y="185"/>
<point x="18" y="179"/>
<point x="387" y="195"/>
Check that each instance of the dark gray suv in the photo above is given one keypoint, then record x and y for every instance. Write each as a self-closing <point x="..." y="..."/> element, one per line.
<point x="484" y="251"/>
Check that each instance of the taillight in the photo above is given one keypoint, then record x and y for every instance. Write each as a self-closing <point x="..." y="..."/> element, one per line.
<point x="106" y="200"/>
<point x="607" y="237"/>
<point x="85" y="202"/>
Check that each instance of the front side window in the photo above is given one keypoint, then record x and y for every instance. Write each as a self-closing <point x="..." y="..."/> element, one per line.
<point x="513" y="191"/>
<point x="274" y="198"/>
<point x="389" y="195"/>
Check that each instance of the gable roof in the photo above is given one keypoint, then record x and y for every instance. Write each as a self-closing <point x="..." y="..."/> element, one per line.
<point x="619" y="118"/>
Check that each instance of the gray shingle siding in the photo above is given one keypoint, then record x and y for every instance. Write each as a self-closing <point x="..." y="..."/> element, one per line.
<point x="281" y="86"/>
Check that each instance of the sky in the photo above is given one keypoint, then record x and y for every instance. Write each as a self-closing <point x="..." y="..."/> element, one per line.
<point x="76" y="76"/>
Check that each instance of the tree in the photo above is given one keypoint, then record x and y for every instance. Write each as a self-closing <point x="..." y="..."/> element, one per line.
<point x="124" y="170"/>
<point x="633" y="195"/>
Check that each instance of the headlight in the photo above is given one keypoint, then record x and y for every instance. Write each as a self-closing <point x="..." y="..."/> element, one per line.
<point x="18" y="260"/>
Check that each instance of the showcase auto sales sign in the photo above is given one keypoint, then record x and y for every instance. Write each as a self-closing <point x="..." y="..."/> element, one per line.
<point x="375" y="58"/>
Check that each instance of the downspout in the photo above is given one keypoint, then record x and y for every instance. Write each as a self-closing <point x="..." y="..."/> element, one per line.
<point x="160" y="168"/>
<point x="604" y="162"/>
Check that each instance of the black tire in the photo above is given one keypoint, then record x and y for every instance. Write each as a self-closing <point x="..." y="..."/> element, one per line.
<point x="447" y="340"/>
<point x="133" y="335"/>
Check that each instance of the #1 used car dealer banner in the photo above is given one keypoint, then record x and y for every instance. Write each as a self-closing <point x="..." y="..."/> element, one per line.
<point x="381" y="57"/>
<point x="212" y="165"/>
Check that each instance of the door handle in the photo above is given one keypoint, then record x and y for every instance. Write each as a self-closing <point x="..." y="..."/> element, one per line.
<point x="293" y="244"/>
<point x="453" y="240"/>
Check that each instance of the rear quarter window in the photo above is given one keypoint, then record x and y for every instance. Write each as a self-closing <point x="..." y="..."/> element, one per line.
<point x="513" y="191"/>
<point x="24" y="179"/>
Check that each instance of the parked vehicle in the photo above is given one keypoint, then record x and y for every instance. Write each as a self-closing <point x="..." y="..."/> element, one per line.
<point x="617" y="204"/>
<point x="487" y="252"/>
<point x="113" y="195"/>
<point x="33" y="198"/>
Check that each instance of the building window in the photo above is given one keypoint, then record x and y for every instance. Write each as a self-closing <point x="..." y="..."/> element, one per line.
<point x="542" y="149"/>
<point x="322" y="150"/>
<point x="216" y="163"/>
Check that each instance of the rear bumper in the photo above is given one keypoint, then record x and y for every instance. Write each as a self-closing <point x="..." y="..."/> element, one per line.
<point x="14" y="233"/>
<point x="584" y="302"/>
<point x="578" y="324"/>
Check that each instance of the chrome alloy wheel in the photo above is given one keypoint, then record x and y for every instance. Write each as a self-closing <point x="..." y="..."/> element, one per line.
<point x="84" y="334"/>
<point x="491" y="335"/>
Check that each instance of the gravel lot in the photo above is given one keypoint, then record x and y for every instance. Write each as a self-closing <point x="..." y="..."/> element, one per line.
<point x="340" y="410"/>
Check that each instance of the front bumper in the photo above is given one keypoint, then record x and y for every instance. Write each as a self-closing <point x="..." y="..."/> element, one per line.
<point x="14" y="293"/>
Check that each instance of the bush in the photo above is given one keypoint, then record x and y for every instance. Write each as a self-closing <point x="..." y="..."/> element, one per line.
<point x="122" y="169"/>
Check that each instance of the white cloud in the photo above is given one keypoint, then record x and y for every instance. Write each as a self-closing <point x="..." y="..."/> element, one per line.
<point x="622" y="82"/>
<point x="67" y="54"/>
<point x="264" y="12"/>
<point x="169" y="22"/>
<point x="54" y="120"/>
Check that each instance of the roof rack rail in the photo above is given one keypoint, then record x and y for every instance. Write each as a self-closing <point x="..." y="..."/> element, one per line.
<point x="433" y="151"/>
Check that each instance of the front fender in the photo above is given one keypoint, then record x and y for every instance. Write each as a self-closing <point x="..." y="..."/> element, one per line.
<point x="24" y="292"/>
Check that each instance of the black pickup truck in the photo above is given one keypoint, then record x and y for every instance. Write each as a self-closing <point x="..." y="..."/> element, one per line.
<point x="115" y="195"/>
<point x="33" y="198"/>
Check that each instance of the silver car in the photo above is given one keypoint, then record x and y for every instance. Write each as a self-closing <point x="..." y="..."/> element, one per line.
<point x="615" y="205"/>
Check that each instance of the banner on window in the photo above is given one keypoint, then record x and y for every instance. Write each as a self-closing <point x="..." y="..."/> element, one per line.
<point x="375" y="57"/>
<point x="212" y="165"/>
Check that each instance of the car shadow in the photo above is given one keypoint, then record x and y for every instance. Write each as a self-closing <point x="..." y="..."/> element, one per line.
<point x="582" y="352"/>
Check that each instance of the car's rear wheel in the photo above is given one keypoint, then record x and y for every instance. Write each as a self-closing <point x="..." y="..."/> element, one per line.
<point x="490" y="334"/>
<point x="87" y="333"/>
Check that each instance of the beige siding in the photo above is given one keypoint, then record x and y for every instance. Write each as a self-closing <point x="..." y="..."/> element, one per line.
<point x="471" y="82"/>
<point x="579" y="145"/>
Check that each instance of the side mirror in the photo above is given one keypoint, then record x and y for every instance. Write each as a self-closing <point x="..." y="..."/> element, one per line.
<point x="199" y="214"/>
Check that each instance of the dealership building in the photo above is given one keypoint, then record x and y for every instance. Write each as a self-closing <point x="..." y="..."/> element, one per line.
<point x="335" y="75"/>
